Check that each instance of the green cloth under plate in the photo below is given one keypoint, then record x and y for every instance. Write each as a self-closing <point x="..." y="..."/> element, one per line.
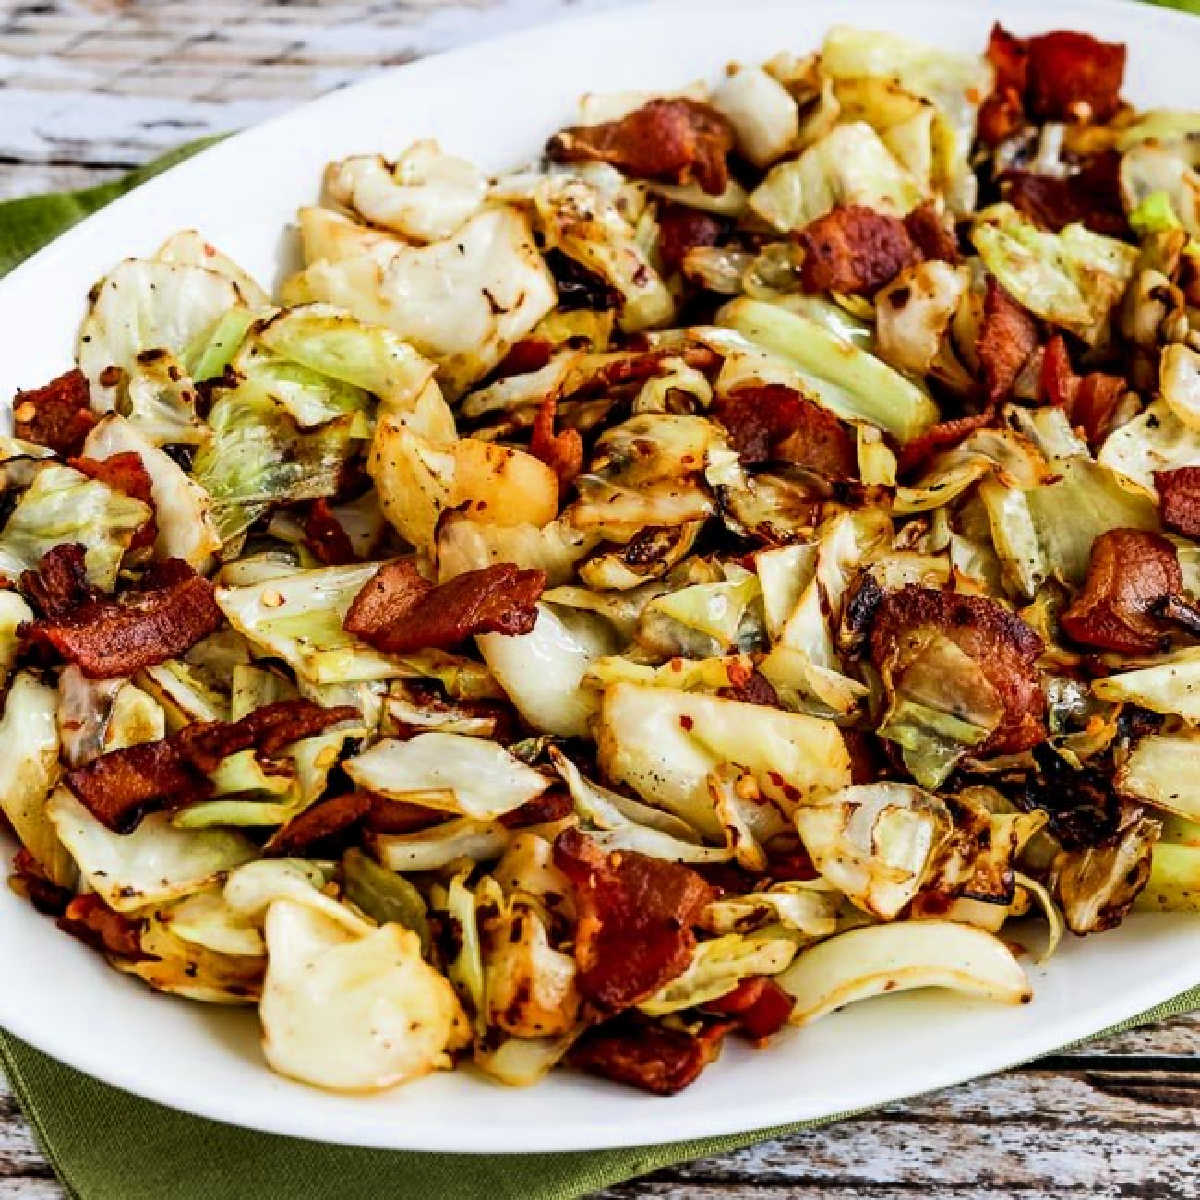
<point x="106" y="1144"/>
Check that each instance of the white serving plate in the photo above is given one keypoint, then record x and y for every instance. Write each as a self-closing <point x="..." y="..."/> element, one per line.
<point x="495" y="103"/>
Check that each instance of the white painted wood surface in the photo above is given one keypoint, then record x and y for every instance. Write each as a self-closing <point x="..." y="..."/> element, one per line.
<point x="88" y="90"/>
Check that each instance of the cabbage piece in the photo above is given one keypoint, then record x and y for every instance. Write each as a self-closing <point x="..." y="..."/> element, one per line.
<point x="713" y="609"/>
<point x="160" y="401"/>
<point x="1155" y="440"/>
<point x="1097" y="502"/>
<point x="1161" y="771"/>
<point x="183" y="695"/>
<point x="251" y="889"/>
<point x="664" y="744"/>
<point x="258" y="456"/>
<point x="1174" y="882"/>
<point x="465" y="971"/>
<point x="765" y="119"/>
<point x="299" y="618"/>
<point x="587" y="226"/>
<point x="14" y="613"/>
<point x="653" y="446"/>
<point x="353" y="1013"/>
<point x="424" y="195"/>
<point x="1073" y="278"/>
<point x="384" y="896"/>
<point x="182" y="508"/>
<point x="188" y="248"/>
<point x="809" y="908"/>
<point x="848" y="165"/>
<point x="436" y="847"/>
<point x="448" y="771"/>
<point x="914" y="311"/>
<point x="897" y="957"/>
<point x="542" y="671"/>
<point x="29" y="769"/>
<point x="1097" y="885"/>
<point x="522" y="1062"/>
<point x="855" y="385"/>
<point x="1171" y="686"/>
<point x="875" y="842"/>
<point x="181" y="968"/>
<point x="1179" y="381"/>
<point x="619" y="513"/>
<point x="465" y="545"/>
<point x="207" y="919"/>
<point x="144" y="305"/>
<point x="1163" y="178"/>
<point x="62" y="505"/>
<point x="530" y="986"/>
<point x="955" y="83"/>
<point x="153" y="864"/>
<point x="462" y="301"/>
<point x="718" y="966"/>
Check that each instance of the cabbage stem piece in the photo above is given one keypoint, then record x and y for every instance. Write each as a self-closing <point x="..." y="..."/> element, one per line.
<point x="1174" y="883"/>
<point x="1171" y="686"/>
<point x="1162" y="771"/>
<point x="847" y="380"/>
<point x="895" y="958"/>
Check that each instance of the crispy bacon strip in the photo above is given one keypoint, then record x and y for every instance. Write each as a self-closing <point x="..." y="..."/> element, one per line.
<point x="399" y="611"/>
<point x="635" y="919"/>
<point x="682" y="229"/>
<point x="58" y="415"/>
<point x="1008" y="335"/>
<point x="750" y="687"/>
<point x="1090" y="402"/>
<point x="1130" y="575"/>
<point x="91" y="920"/>
<point x="760" y="1006"/>
<point x="1074" y="76"/>
<point x="648" y="1055"/>
<point x="854" y="249"/>
<point x="551" y="805"/>
<point x="60" y="584"/>
<point x="1179" y="499"/>
<point x="120" y="787"/>
<point x="325" y="819"/>
<point x="529" y="354"/>
<point x="775" y="422"/>
<point x="325" y="537"/>
<point x="940" y="437"/>
<point x="29" y="880"/>
<point x="562" y="452"/>
<point x="1092" y="195"/>
<point x="673" y="140"/>
<point x="111" y="638"/>
<point x="399" y="816"/>
<point x="1003" y="112"/>
<point x="1000" y="643"/>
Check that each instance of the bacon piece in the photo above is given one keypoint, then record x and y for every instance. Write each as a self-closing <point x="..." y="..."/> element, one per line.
<point x="681" y="229"/>
<point x="561" y="452"/>
<point x="793" y="865"/>
<point x="635" y="919"/>
<point x="60" y="584"/>
<point x="940" y="437"/>
<point x="854" y="249"/>
<point x="266" y="730"/>
<point x="91" y="920"/>
<point x="1001" y="116"/>
<point x="58" y="415"/>
<point x="1004" y="648"/>
<point x="551" y="805"/>
<point x="1009" y="56"/>
<point x="323" y="820"/>
<point x="399" y="816"/>
<point x="29" y="880"/>
<point x="529" y="354"/>
<point x="1074" y="76"/>
<point x="399" y="611"/>
<point x="759" y="1004"/>
<point x="111" y="638"/>
<point x="1179" y="499"/>
<point x="120" y="787"/>
<point x="931" y="233"/>
<point x="325" y="537"/>
<point x="775" y="422"/>
<point x="1091" y="402"/>
<point x="1008" y="335"/>
<point x="1003" y="112"/>
<point x="1091" y="196"/>
<point x="647" y="1056"/>
<point x="1130" y="574"/>
<point x="674" y="140"/>
<point x="750" y="687"/>
<point x="125" y="472"/>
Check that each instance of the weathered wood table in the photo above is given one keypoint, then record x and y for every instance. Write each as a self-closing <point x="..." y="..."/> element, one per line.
<point x="88" y="90"/>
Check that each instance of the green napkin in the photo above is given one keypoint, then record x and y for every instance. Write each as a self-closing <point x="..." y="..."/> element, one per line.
<point x="106" y="1144"/>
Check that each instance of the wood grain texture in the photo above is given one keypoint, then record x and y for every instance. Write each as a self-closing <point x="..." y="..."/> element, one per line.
<point x="90" y="89"/>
